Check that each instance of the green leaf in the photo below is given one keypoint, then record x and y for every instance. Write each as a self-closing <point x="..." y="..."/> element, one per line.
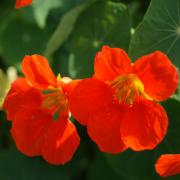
<point x="171" y="143"/>
<point x="20" y="38"/>
<point x="133" y="165"/>
<point x="5" y="15"/>
<point x="4" y="86"/>
<point x="64" y="28"/>
<point x="100" y="169"/>
<point x="103" y="23"/>
<point x="176" y="96"/>
<point x="15" y="166"/>
<point x="159" y="30"/>
<point x="41" y="9"/>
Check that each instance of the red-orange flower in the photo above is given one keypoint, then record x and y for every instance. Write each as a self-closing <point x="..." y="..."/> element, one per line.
<point x="168" y="165"/>
<point x="39" y="109"/>
<point x="22" y="3"/>
<point x="118" y="104"/>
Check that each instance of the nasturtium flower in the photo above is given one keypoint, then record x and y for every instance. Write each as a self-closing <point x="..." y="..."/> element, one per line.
<point x="22" y="3"/>
<point x="38" y="107"/>
<point x="168" y="165"/>
<point x="119" y="103"/>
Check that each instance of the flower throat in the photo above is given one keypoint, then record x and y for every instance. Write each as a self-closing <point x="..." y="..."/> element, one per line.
<point x="128" y="88"/>
<point x="55" y="100"/>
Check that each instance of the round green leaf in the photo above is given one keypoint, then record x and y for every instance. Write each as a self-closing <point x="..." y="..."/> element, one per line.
<point x="20" y="38"/>
<point x="15" y="166"/>
<point x="159" y="30"/>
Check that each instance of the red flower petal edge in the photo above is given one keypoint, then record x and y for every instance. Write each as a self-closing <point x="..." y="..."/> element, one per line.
<point x="168" y="165"/>
<point x="149" y="127"/>
<point x="22" y="3"/>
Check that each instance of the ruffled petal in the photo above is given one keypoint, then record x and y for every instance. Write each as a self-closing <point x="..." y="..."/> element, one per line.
<point x="88" y="96"/>
<point x="110" y="63"/>
<point x="22" y="3"/>
<point x="168" y="165"/>
<point x="61" y="143"/>
<point x="14" y="97"/>
<point x="38" y="72"/>
<point x="29" y="130"/>
<point x="158" y="74"/>
<point x="21" y="96"/>
<point x="69" y="87"/>
<point x="104" y="129"/>
<point x="144" y="125"/>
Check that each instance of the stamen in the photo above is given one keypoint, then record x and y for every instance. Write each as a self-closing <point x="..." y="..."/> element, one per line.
<point x="128" y="88"/>
<point x="55" y="100"/>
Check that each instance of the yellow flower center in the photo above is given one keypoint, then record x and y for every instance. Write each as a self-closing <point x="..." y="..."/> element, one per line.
<point x="129" y="88"/>
<point x="55" y="100"/>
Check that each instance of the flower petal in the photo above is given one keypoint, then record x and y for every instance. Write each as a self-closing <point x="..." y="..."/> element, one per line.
<point x="69" y="87"/>
<point x="21" y="95"/>
<point x="61" y="143"/>
<point x="88" y="96"/>
<point x="104" y="129"/>
<point x="14" y="97"/>
<point x="168" y="165"/>
<point x="158" y="74"/>
<point x="110" y="63"/>
<point x="29" y="129"/>
<point x="38" y="72"/>
<point x="21" y="3"/>
<point x="144" y="125"/>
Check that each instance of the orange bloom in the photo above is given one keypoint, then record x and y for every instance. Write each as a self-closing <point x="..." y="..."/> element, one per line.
<point x="118" y="104"/>
<point x="168" y="165"/>
<point x="39" y="109"/>
<point x="22" y="3"/>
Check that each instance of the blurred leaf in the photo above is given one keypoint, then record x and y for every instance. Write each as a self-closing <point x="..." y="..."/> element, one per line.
<point x="102" y="23"/>
<point x="65" y="28"/>
<point x="5" y="81"/>
<point x="135" y="13"/>
<point x="42" y="8"/>
<point x="171" y="143"/>
<point x="3" y="87"/>
<point x="26" y="14"/>
<point x="15" y="166"/>
<point x="133" y="165"/>
<point x="176" y="96"/>
<point x="159" y="30"/>
<point x="5" y="15"/>
<point x="100" y="169"/>
<point x="20" y="38"/>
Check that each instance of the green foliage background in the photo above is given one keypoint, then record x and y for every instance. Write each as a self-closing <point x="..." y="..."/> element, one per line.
<point x="69" y="33"/>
